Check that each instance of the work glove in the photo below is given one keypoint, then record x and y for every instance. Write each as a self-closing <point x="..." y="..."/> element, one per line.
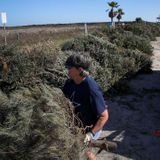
<point x="88" y="137"/>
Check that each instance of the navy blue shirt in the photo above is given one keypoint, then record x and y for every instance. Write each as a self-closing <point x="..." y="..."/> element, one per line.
<point x="87" y="99"/>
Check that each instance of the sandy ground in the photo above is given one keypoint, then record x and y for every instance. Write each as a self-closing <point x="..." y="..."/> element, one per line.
<point x="135" y="117"/>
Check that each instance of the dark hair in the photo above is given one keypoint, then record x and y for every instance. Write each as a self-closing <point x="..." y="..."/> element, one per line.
<point x="77" y="60"/>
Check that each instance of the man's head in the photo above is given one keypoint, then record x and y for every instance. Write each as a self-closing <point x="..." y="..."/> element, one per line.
<point x="77" y="65"/>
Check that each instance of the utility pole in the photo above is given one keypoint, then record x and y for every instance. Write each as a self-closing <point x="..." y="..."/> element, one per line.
<point x="4" y="21"/>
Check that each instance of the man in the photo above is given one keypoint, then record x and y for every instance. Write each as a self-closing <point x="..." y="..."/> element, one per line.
<point x="86" y="96"/>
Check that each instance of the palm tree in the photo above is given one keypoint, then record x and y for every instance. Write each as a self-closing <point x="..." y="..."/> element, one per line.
<point x="112" y="13"/>
<point x="120" y="13"/>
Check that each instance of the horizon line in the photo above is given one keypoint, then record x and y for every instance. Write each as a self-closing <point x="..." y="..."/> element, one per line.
<point x="67" y="23"/>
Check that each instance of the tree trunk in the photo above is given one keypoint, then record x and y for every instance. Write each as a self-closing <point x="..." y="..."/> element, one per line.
<point x="112" y="22"/>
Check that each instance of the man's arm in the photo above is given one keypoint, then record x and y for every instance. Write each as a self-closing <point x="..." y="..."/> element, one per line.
<point x="101" y="121"/>
<point x="98" y="126"/>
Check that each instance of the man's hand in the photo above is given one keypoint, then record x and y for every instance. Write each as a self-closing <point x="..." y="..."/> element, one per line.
<point x="88" y="138"/>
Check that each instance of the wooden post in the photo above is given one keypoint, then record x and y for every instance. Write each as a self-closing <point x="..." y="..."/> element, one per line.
<point x="18" y="35"/>
<point x="85" y="29"/>
<point x="5" y="36"/>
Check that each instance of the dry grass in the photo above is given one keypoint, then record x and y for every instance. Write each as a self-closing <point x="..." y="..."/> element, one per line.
<point x="33" y="34"/>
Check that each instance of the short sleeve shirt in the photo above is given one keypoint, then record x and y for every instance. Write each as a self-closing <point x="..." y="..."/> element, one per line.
<point x="87" y="99"/>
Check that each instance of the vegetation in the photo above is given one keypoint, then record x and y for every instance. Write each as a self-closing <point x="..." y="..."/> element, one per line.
<point x="119" y="14"/>
<point x="112" y="13"/>
<point x="145" y="30"/>
<point x="139" y="20"/>
<point x="128" y="40"/>
<point x="36" y="121"/>
<point x="110" y="62"/>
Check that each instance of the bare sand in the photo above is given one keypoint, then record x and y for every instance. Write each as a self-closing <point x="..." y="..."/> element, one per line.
<point x="135" y="117"/>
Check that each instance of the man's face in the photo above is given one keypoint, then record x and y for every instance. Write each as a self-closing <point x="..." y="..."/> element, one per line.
<point x="73" y="72"/>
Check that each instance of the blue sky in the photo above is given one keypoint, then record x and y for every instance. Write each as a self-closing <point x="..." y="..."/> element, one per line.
<point x="28" y="12"/>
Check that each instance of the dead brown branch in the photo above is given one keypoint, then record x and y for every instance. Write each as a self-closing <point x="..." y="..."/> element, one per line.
<point x="104" y="144"/>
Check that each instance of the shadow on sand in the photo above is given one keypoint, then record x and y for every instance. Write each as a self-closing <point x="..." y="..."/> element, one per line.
<point x="134" y="121"/>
